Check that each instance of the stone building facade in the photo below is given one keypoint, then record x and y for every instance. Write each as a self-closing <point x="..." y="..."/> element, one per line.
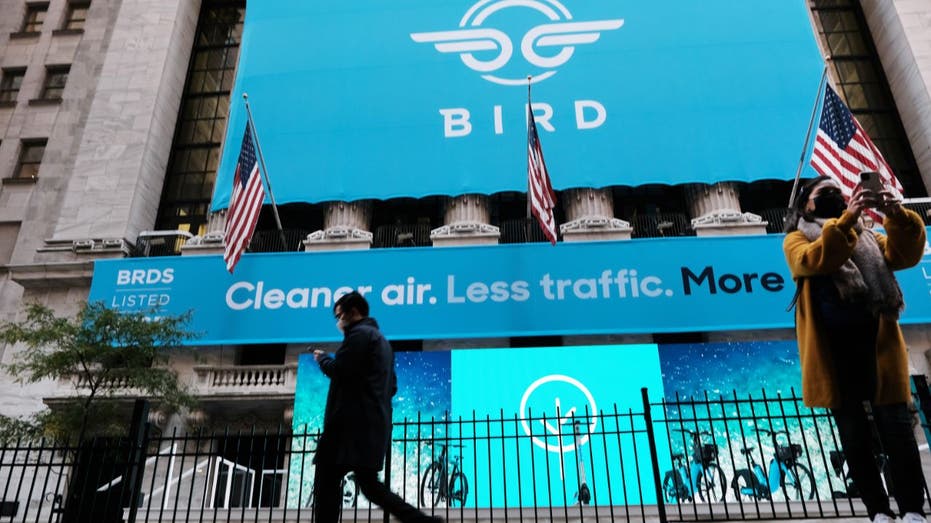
<point x="90" y="101"/>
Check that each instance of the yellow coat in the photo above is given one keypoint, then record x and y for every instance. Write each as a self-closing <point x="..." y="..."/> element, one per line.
<point x="902" y="248"/>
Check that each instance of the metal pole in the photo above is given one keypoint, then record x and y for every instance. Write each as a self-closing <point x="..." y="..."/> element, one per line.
<point x="654" y="456"/>
<point x="529" y="220"/>
<point x="268" y="183"/>
<point x="811" y="123"/>
<point x="138" y="435"/>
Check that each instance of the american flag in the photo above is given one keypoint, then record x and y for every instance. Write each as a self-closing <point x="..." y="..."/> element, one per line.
<point x="245" y="203"/>
<point x="843" y="150"/>
<point x="542" y="199"/>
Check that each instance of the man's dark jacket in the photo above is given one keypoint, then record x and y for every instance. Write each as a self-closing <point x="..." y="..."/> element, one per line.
<point x="357" y="420"/>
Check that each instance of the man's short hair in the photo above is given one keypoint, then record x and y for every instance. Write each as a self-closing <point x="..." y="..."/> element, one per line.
<point x="353" y="300"/>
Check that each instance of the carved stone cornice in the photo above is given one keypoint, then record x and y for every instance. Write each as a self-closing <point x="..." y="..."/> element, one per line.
<point x="53" y="274"/>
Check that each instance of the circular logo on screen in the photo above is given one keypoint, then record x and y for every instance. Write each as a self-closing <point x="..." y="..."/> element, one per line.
<point x="558" y="401"/>
<point x="485" y="47"/>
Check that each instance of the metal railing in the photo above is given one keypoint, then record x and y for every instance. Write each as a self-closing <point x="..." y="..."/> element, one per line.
<point x="521" y="230"/>
<point x="160" y="243"/>
<point x="661" y="225"/>
<point x="712" y="458"/>
<point x="402" y="235"/>
<point x="270" y="240"/>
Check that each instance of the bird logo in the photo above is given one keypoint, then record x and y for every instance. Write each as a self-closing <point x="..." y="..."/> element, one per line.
<point x="556" y="40"/>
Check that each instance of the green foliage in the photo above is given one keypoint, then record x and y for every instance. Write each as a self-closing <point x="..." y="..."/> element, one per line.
<point x="13" y="429"/>
<point x="104" y="354"/>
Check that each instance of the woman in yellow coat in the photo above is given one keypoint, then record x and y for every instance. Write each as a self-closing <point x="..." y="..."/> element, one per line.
<point x="851" y="348"/>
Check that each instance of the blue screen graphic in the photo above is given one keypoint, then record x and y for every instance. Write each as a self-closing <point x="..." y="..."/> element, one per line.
<point x="551" y="389"/>
<point x="374" y="99"/>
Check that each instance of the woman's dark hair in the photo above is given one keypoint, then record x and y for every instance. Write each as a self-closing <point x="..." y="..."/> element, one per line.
<point x="353" y="300"/>
<point x="797" y="210"/>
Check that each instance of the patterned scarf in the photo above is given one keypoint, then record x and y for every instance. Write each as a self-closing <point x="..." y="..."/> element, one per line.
<point x="865" y="276"/>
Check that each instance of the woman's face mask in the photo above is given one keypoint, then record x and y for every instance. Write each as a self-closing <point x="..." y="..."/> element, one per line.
<point x="829" y="203"/>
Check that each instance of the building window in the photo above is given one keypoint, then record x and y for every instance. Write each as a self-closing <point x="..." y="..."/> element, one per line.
<point x="195" y="154"/>
<point x="35" y="16"/>
<point x="30" y="157"/>
<point x="75" y="16"/>
<point x="8" y="233"/>
<point x="56" y="76"/>
<point x="862" y="84"/>
<point x="10" y="83"/>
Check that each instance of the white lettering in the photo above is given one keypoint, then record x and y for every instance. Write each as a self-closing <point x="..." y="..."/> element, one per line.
<point x="650" y="286"/>
<point x="340" y="292"/>
<point x="238" y="305"/>
<point x="259" y="289"/>
<point x="273" y="299"/>
<point x="451" y="291"/>
<point x="601" y="114"/>
<point x="456" y="122"/>
<point x="499" y="123"/>
<point x="477" y="292"/>
<point x="588" y="293"/>
<point x="520" y="291"/>
<point x="543" y="120"/>
<point x="393" y="295"/>
<point x="315" y="295"/>
<point x="298" y="298"/>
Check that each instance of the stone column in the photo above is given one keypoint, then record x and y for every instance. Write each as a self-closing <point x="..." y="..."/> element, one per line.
<point x="902" y="35"/>
<point x="114" y="189"/>
<point x="345" y="227"/>
<point x="590" y="215"/>
<point x="466" y="223"/>
<point x="715" y="211"/>
<point x="212" y="240"/>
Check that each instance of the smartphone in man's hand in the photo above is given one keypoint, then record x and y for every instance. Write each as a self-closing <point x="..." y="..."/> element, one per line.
<point x="870" y="181"/>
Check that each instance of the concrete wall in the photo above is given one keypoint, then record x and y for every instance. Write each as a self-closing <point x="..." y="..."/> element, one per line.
<point x="902" y="32"/>
<point x="108" y="145"/>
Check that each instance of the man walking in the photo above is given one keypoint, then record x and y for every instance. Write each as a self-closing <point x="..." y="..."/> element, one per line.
<point x="357" y="421"/>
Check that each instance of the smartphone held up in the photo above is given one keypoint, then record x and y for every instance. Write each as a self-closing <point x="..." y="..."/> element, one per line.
<point x="871" y="181"/>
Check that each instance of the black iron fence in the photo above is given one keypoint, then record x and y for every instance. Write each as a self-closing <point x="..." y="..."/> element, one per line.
<point x="678" y="459"/>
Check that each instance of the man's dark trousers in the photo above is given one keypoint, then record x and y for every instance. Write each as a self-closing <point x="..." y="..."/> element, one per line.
<point x="328" y="494"/>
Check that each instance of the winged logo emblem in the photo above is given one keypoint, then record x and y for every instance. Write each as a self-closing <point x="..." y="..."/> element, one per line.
<point x="560" y="37"/>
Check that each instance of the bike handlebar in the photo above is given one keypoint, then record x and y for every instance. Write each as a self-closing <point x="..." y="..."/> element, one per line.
<point x="770" y="432"/>
<point x="447" y="445"/>
<point x="693" y="433"/>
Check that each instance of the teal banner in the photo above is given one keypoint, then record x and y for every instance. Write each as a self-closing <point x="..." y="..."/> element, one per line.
<point x="357" y="99"/>
<point x="636" y="286"/>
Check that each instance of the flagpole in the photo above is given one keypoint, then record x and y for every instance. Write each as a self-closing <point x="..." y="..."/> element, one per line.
<point x="811" y="123"/>
<point x="268" y="183"/>
<point x="529" y="112"/>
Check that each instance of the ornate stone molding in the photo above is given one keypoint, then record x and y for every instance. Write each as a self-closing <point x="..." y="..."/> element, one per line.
<point x="338" y="238"/>
<point x="466" y="223"/>
<point x="53" y="275"/>
<point x="345" y="227"/>
<point x="590" y="215"/>
<point x="210" y="243"/>
<point x="715" y="211"/>
<point x="588" y="228"/>
<point x="729" y="223"/>
<point x="159" y="418"/>
<point x="196" y="419"/>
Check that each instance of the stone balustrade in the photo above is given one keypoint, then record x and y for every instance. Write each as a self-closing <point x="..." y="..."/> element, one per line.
<point x="244" y="380"/>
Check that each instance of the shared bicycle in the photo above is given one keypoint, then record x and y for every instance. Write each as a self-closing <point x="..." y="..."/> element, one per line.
<point x="698" y="475"/>
<point x="441" y="482"/>
<point x="785" y="473"/>
<point x="839" y="466"/>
